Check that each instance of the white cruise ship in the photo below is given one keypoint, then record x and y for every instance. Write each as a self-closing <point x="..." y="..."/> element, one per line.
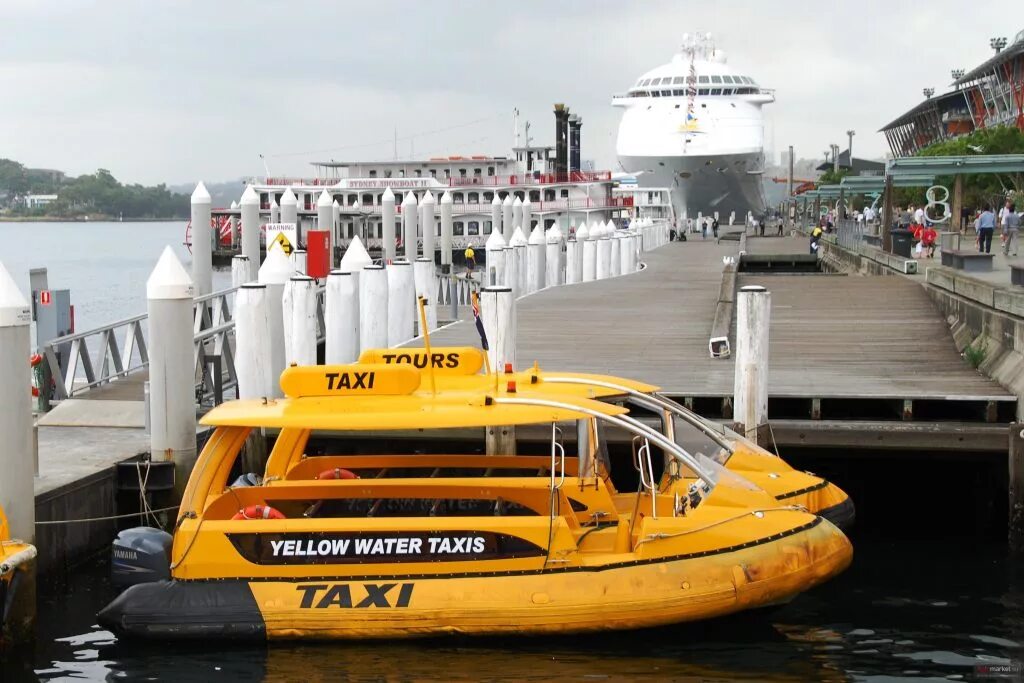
<point x="695" y="126"/>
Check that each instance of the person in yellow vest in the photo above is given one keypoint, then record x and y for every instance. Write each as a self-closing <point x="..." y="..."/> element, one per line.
<point x="470" y="259"/>
<point x="815" y="236"/>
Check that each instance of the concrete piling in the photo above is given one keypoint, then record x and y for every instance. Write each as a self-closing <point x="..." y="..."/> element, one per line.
<point x="508" y="255"/>
<point x="517" y="215"/>
<point x="498" y="312"/>
<point x="625" y="254"/>
<point x="290" y="212"/>
<point x="241" y="270"/>
<point x="387" y="217"/>
<point x="409" y="230"/>
<point x="589" y="252"/>
<point x="426" y="288"/>
<point x="507" y="226"/>
<point x="300" y="343"/>
<point x="616" y="262"/>
<point x="527" y="219"/>
<point x="336" y="235"/>
<point x="275" y="272"/>
<point x="172" y="407"/>
<point x="428" y="226"/>
<point x="373" y="308"/>
<point x="250" y="206"/>
<point x="496" y="215"/>
<point x="252" y="342"/>
<point x="341" y="317"/>
<point x="356" y="257"/>
<point x="401" y="302"/>
<point x="750" y="384"/>
<point x="553" y="258"/>
<point x="202" y="242"/>
<point x="573" y="265"/>
<point x="298" y="260"/>
<point x="446" y="232"/>
<point x="495" y="264"/>
<point x="536" y="258"/>
<point x="16" y="458"/>
<point x="275" y="212"/>
<point x="519" y="244"/>
<point x="232" y="227"/>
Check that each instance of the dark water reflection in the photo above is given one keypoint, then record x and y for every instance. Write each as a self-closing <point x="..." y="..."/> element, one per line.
<point x="904" y="611"/>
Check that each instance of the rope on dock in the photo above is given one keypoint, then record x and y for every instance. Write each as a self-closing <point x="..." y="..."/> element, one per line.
<point x="141" y="513"/>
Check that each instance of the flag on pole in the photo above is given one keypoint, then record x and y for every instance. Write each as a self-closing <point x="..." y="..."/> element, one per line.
<point x="475" y="298"/>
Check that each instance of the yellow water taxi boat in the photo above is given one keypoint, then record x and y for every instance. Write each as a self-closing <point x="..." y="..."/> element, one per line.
<point x="327" y="546"/>
<point x="15" y="559"/>
<point x="458" y="368"/>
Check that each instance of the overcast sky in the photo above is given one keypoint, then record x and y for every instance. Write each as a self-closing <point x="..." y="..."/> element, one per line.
<point x="182" y="90"/>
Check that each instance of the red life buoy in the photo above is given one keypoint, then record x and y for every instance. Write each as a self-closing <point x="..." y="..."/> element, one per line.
<point x="258" y="512"/>
<point x="337" y="473"/>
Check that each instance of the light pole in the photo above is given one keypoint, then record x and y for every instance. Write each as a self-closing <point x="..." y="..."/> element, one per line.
<point x="997" y="44"/>
<point x="928" y="92"/>
<point x="849" y="147"/>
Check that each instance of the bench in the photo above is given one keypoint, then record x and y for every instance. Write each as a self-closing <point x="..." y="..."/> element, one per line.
<point x="967" y="261"/>
<point x="1017" y="274"/>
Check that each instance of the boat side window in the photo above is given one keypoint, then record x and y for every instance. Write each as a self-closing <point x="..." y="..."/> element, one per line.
<point x="727" y="79"/>
<point x="678" y="80"/>
<point x="534" y="196"/>
<point x="473" y="198"/>
<point x="487" y="227"/>
<point x="646" y="81"/>
<point x="462" y="173"/>
<point x="457" y="228"/>
<point x="716" y="91"/>
<point x="679" y="93"/>
<point x="490" y="170"/>
<point x="655" y="93"/>
<point x="366" y="201"/>
<point x="474" y="228"/>
<point x="433" y="173"/>
<point x="666" y="93"/>
<point x="702" y="79"/>
<point x="373" y="173"/>
<point x="716" y="79"/>
<point x="703" y="91"/>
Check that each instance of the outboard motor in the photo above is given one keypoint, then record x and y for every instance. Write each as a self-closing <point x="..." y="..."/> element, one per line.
<point x="140" y="555"/>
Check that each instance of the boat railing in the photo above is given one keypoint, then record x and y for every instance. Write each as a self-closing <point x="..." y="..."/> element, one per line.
<point x="118" y="352"/>
<point x="536" y="178"/>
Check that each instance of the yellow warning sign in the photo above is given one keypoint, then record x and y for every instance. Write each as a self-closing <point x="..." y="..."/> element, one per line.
<point x="282" y="241"/>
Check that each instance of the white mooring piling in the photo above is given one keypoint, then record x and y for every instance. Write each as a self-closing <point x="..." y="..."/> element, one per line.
<point x="446" y="231"/>
<point x="553" y="258"/>
<point x="356" y="257"/>
<point x="387" y="218"/>
<point x="335" y="226"/>
<point x="604" y="254"/>
<point x="250" y="207"/>
<point x="409" y="229"/>
<point x="241" y="270"/>
<point x="373" y="308"/>
<point x="232" y="226"/>
<point x="325" y="213"/>
<point x="519" y="244"/>
<point x="498" y="314"/>
<point x="341" y="317"/>
<point x="290" y="212"/>
<point x="572" y="261"/>
<point x="172" y="407"/>
<point x="401" y="302"/>
<point x="202" y="241"/>
<point x="527" y="220"/>
<point x="298" y="260"/>
<point x="252" y="342"/>
<point x="428" y="225"/>
<point x="508" y="255"/>
<point x="589" y="253"/>
<point x="536" y="255"/>
<point x="299" y="317"/>
<point x="495" y="264"/>
<point x="496" y="215"/>
<point x="507" y="226"/>
<point x="426" y="287"/>
<point x="275" y="272"/>
<point x="275" y="211"/>
<point x="625" y="248"/>
<point x="750" y="385"/>
<point x="517" y="215"/>
<point x="616" y="262"/>
<point x="16" y="459"/>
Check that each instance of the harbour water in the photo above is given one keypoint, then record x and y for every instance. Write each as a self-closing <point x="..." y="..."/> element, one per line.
<point x="105" y="265"/>
<point x="906" y="610"/>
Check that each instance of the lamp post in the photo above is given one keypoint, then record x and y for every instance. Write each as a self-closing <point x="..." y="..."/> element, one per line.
<point x="849" y="147"/>
<point x="997" y="44"/>
<point x="928" y="92"/>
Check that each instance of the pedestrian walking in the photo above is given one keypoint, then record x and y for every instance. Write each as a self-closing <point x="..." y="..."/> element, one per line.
<point x="704" y="229"/>
<point x="470" y="260"/>
<point x="986" y="225"/>
<point x="1011" y="230"/>
<point x="714" y="228"/>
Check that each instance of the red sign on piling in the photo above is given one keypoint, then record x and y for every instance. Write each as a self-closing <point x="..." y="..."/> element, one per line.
<point x="45" y="298"/>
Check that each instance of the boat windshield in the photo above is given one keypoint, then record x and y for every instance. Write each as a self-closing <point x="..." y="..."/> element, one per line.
<point x="696" y="441"/>
<point x="717" y="474"/>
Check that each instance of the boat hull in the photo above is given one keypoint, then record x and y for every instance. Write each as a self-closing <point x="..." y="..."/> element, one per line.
<point x="616" y="596"/>
<point x="704" y="183"/>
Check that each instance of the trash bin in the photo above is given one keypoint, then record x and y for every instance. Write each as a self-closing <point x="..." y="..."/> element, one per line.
<point x="902" y="242"/>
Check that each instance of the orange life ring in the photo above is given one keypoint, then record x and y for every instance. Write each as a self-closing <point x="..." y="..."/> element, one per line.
<point x="337" y="473"/>
<point x="258" y="512"/>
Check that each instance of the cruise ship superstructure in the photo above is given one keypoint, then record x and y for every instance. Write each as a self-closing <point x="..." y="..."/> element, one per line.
<point x="695" y="126"/>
